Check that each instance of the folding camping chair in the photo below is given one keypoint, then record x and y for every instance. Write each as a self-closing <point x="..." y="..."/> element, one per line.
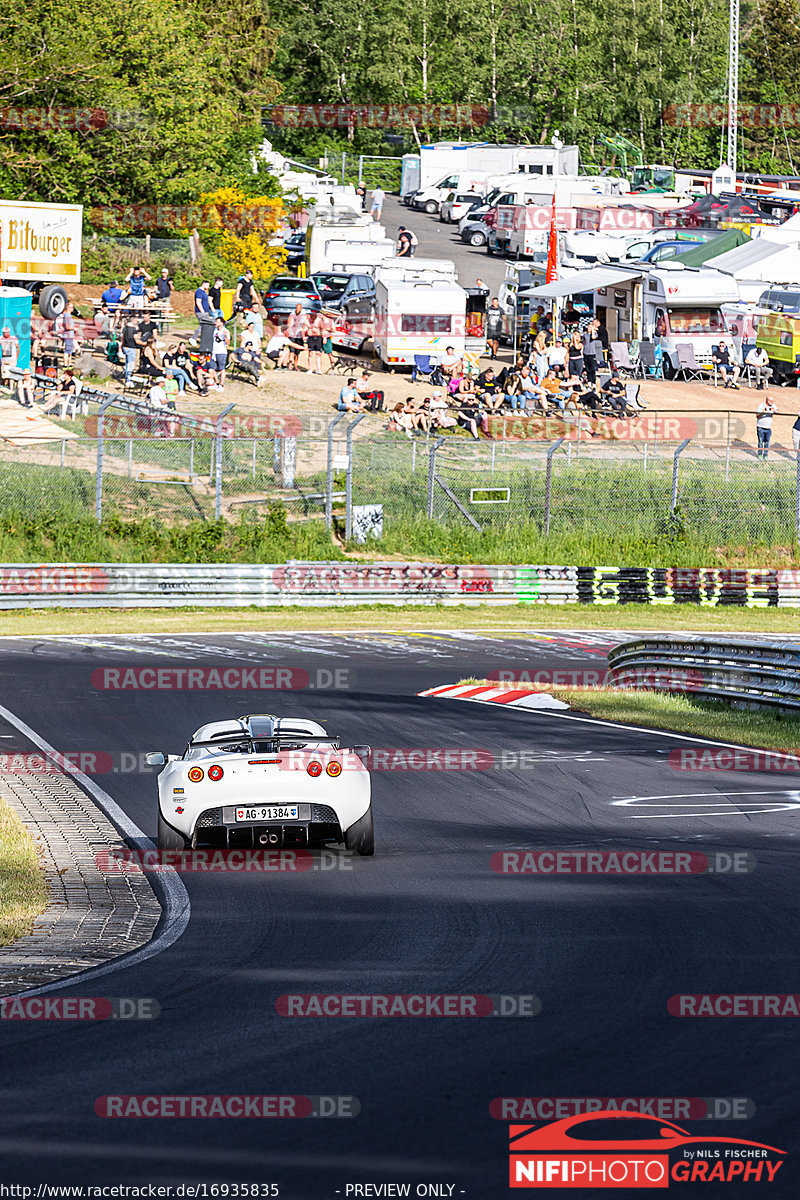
<point x="621" y="355"/>
<point x="651" y="360"/>
<point x="425" y="369"/>
<point x="688" y="366"/>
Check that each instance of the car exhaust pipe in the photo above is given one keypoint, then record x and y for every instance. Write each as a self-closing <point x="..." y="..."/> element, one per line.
<point x="268" y="839"/>
<point x="274" y="839"/>
<point x="263" y="839"/>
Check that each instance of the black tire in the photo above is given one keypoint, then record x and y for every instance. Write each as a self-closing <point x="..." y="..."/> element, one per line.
<point x="52" y="301"/>
<point x="431" y="207"/>
<point x="477" y="238"/>
<point x="169" y="838"/>
<point x="360" y="837"/>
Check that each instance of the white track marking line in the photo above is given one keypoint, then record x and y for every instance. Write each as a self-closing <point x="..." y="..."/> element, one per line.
<point x="175" y="901"/>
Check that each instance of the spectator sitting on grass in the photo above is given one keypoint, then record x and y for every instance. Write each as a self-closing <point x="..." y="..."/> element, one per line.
<point x="440" y="413"/>
<point x="206" y="374"/>
<point x="469" y="415"/>
<point x="365" y="391"/>
<point x="148" y="360"/>
<point x="400" y="420"/>
<point x="552" y="389"/>
<point x="489" y="389"/>
<point x="418" y="417"/>
<point x="349" y="399"/>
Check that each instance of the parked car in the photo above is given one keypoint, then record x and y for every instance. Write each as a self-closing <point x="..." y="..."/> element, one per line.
<point x="295" y="247"/>
<point x="667" y="250"/>
<point x="283" y="292"/>
<point x="474" y="233"/>
<point x="457" y="205"/>
<point x="353" y="295"/>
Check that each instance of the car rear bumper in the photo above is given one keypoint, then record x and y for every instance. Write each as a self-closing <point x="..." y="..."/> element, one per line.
<point x="316" y="823"/>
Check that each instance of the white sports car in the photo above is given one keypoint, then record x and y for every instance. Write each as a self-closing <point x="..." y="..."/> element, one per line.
<point x="264" y="781"/>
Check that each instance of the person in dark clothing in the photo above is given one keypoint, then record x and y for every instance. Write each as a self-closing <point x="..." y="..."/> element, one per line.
<point x="613" y="392"/>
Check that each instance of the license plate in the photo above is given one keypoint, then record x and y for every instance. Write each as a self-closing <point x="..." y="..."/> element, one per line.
<point x="270" y="812"/>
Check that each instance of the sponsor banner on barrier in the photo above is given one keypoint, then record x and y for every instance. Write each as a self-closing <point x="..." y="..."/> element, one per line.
<point x="342" y="583"/>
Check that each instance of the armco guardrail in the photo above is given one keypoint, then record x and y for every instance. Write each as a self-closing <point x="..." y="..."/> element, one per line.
<point x="339" y="583"/>
<point x="762" y="673"/>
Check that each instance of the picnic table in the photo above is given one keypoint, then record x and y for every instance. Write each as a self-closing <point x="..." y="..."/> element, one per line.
<point x="161" y="309"/>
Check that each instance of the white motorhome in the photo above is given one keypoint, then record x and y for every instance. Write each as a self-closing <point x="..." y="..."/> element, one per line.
<point x="40" y="250"/>
<point x="669" y="304"/>
<point x="430" y="199"/>
<point x="335" y="240"/>
<point x="680" y="304"/>
<point x="418" y="312"/>
<point x="439" y="159"/>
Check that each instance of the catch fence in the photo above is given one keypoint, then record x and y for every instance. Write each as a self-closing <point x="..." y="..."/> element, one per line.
<point x="722" y="493"/>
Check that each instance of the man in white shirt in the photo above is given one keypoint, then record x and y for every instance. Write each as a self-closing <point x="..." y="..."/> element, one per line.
<point x="758" y="361"/>
<point x="451" y="363"/>
<point x="376" y="203"/>
<point x="278" y="351"/>
<point x="251" y="317"/>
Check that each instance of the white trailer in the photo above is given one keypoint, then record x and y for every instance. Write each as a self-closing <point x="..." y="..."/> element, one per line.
<point x="417" y="315"/>
<point x="40" y="250"/>
<point x="436" y="160"/>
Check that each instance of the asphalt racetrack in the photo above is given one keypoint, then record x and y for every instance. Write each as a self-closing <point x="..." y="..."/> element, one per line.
<point x="427" y="915"/>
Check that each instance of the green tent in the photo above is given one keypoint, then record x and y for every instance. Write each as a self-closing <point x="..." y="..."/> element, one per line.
<point x="699" y="255"/>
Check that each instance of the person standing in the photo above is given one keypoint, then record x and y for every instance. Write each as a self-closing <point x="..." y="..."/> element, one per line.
<point x="131" y="344"/>
<point x="165" y="285"/>
<point x="589" y="355"/>
<point x="215" y="296"/>
<point x="796" y="434"/>
<point x="494" y="328"/>
<point x="376" y="203"/>
<point x="315" y="333"/>
<point x="219" y="351"/>
<point x="764" y="414"/>
<point x="296" y="331"/>
<point x="135" y="280"/>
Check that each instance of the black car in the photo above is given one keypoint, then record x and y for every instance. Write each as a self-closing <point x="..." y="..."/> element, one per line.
<point x="353" y="295"/>
<point x="295" y="247"/>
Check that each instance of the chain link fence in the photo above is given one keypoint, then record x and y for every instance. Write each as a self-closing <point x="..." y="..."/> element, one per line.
<point x="722" y="492"/>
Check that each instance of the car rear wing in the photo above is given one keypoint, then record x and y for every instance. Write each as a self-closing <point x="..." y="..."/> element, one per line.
<point x="285" y="735"/>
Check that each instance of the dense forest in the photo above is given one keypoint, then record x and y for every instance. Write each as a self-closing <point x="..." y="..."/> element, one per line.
<point x="177" y="92"/>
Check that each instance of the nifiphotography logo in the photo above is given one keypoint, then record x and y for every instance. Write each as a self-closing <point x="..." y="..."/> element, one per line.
<point x="613" y="1149"/>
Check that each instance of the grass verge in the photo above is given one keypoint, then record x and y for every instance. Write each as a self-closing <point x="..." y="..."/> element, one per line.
<point x="511" y="620"/>
<point x="23" y="892"/>
<point x="680" y="714"/>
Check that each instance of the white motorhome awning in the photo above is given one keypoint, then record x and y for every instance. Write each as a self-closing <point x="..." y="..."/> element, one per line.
<point x="582" y="281"/>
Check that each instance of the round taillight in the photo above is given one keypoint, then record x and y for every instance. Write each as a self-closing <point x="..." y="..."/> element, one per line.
<point x="334" y="769"/>
<point x="195" y="774"/>
<point x="314" y="768"/>
<point x="215" y="772"/>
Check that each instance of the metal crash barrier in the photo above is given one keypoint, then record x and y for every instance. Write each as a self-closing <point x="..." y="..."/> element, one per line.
<point x="764" y="674"/>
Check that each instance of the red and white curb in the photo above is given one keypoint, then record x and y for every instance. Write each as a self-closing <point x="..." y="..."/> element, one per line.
<point x="483" y="694"/>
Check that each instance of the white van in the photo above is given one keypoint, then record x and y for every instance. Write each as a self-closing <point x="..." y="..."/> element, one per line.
<point x="430" y="199"/>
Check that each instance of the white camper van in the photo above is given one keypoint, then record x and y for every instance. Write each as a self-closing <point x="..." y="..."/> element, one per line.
<point x="438" y="159"/>
<point x="418" y="310"/>
<point x="684" y="305"/>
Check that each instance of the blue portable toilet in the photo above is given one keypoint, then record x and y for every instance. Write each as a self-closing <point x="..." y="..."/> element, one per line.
<point x="15" y="313"/>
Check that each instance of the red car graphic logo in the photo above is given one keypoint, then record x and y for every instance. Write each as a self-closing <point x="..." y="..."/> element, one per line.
<point x="614" y="1149"/>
